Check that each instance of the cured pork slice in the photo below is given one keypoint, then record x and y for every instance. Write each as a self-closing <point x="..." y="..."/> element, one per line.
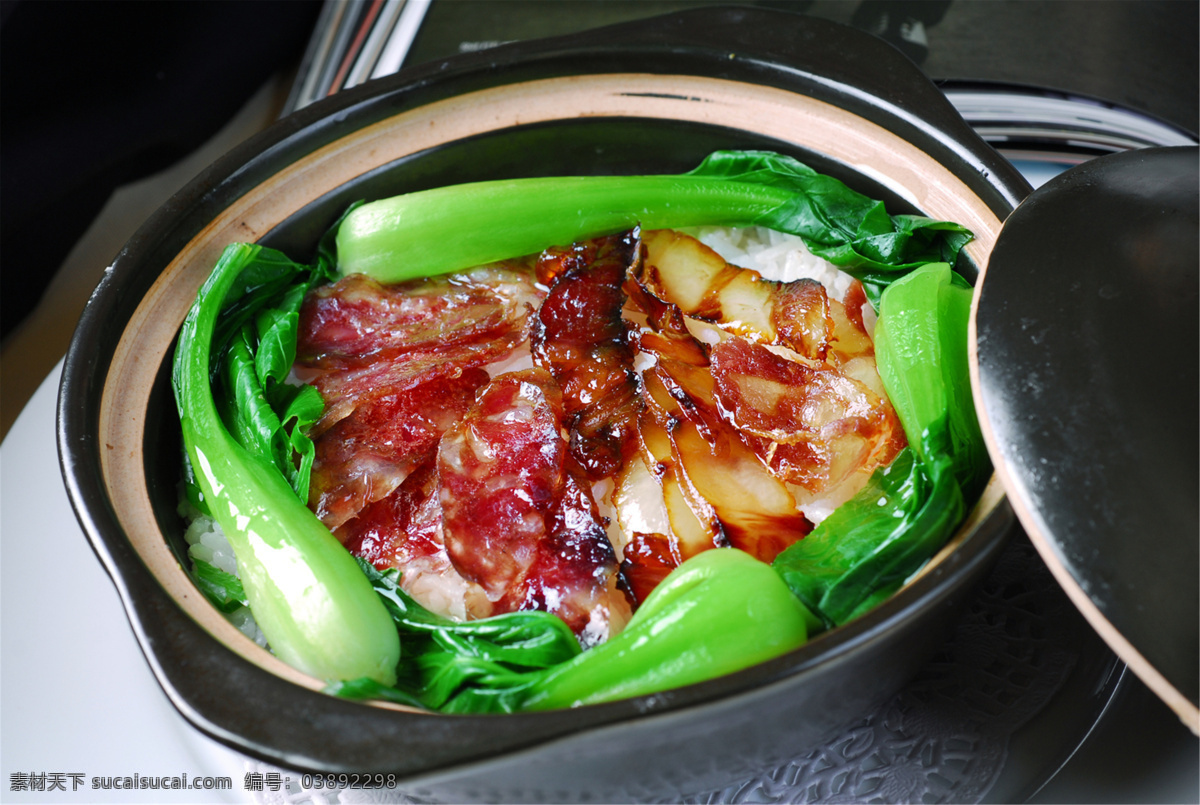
<point x="403" y="527"/>
<point x="357" y="321"/>
<point x="716" y="491"/>
<point x="518" y="519"/>
<point x="795" y="371"/>
<point x="397" y="365"/>
<point x="580" y="337"/>
<point x="755" y="510"/>
<point x="359" y="340"/>
<point x="683" y="271"/>
<point x="691" y="521"/>
<point x="850" y="338"/>
<point x="404" y="531"/>
<point x="812" y="424"/>
<point x="798" y="315"/>
<point x="651" y="548"/>
<point x="363" y="457"/>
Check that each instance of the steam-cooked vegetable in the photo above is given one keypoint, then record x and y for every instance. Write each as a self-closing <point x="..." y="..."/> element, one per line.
<point x="463" y="666"/>
<point x="921" y="344"/>
<point x="423" y="234"/>
<point x="719" y="612"/>
<point x="307" y="593"/>
<point x="867" y="548"/>
<point x="223" y="589"/>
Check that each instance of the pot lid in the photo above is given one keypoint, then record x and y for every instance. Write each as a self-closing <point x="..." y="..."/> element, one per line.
<point x="1086" y="378"/>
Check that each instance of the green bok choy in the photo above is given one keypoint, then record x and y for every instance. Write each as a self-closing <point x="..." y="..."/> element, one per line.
<point x="866" y="549"/>
<point x="718" y="612"/>
<point x="451" y="228"/>
<point x="315" y="607"/>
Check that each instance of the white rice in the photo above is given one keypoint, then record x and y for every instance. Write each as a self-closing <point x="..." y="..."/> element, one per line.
<point x="207" y="542"/>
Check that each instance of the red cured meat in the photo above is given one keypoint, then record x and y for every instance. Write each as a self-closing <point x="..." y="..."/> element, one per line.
<point x="580" y="337"/>
<point x="404" y="526"/>
<point x="363" y="457"/>
<point x="755" y="510"/>
<point x="812" y="424"/>
<point x="397" y="365"/>
<point x="359" y="340"/>
<point x="649" y="558"/>
<point x="357" y="321"/>
<point x="716" y="490"/>
<point x="404" y="531"/>
<point x="516" y="520"/>
<point x="801" y="317"/>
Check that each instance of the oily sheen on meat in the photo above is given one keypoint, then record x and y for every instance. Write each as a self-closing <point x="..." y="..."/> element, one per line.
<point x="427" y="462"/>
<point x="558" y="433"/>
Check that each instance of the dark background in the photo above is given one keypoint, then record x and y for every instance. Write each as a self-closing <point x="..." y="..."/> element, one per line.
<point x="99" y="93"/>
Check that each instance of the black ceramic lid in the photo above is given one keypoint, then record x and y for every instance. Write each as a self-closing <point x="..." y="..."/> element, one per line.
<point x="1086" y="376"/>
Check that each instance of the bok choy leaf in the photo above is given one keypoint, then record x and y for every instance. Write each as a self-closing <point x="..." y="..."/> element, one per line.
<point x="482" y="665"/>
<point x="223" y="589"/>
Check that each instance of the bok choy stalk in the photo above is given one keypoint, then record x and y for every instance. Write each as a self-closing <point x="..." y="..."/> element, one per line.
<point x="315" y="607"/>
<point x="718" y="612"/>
<point x="921" y="350"/>
<point x="865" y="550"/>
<point x="452" y="228"/>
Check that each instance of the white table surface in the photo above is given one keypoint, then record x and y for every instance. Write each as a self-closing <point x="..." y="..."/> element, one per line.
<point x="76" y="694"/>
